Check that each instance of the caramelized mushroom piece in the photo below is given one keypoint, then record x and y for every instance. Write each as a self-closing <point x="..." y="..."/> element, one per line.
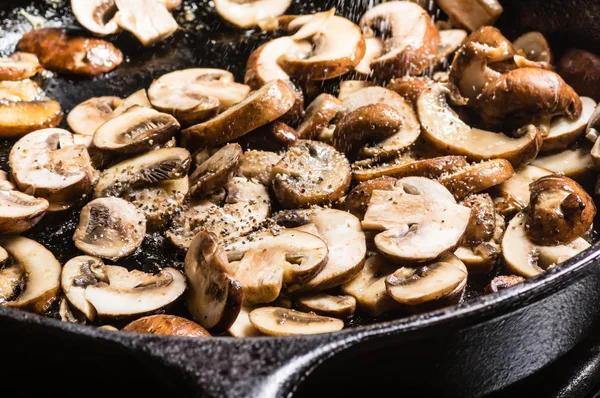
<point x="148" y="20"/>
<point x="318" y="115"/>
<point x="503" y="282"/>
<point x="471" y="14"/>
<point x="19" y="66"/>
<point x="19" y="212"/>
<point x="86" y="117"/>
<point x="409" y="87"/>
<point x="327" y="305"/>
<point x="214" y="173"/>
<point x="477" y="177"/>
<point x="22" y="90"/>
<point x="248" y="13"/>
<point x="275" y="321"/>
<point x="408" y="165"/>
<point x="18" y="118"/>
<point x="258" y="165"/>
<point x="482" y="224"/>
<point x="357" y="200"/>
<point x="559" y="211"/>
<point x="262" y="65"/>
<point x="110" y="228"/>
<point x="63" y="52"/>
<point x="97" y="16"/>
<point x="169" y="325"/>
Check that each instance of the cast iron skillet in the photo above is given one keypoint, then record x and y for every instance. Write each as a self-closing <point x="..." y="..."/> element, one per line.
<point x="470" y="350"/>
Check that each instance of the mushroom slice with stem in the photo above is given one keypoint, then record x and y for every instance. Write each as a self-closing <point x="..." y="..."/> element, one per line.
<point x="12" y="277"/>
<point x="19" y="212"/>
<point x="19" y="66"/>
<point x="258" y="165"/>
<point x="137" y="130"/>
<point x="368" y="287"/>
<point x="310" y="173"/>
<point x="327" y="305"/>
<point x="214" y="298"/>
<point x="268" y="103"/>
<point x="445" y="130"/>
<point x="265" y="262"/>
<point x="527" y="259"/>
<point x="318" y="115"/>
<point x="559" y="211"/>
<point x="513" y="194"/>
<point x="472" y="14"/>
<point x="477" y="177"/>
<point x="245" y="206"/>
<point x="450" y="41"/>
<point x="374" y="49"/>
<point x="275" y="321"/>
<point x="169" y="325"/>
<point x="86" y="117"/>
<point x="139" y="98"/>
<point x="110" y="228"/>
<point x="63" y="52"/>
<point x="77" y="274"/>
<point x="357" y="200"/>
<point x="148" y="20"/>
<point x="481" y="258"/>
<point x="412" y="40"/>
<point x="336" y="49"/>
<point x="564" y="131"/>
<point x="248" y="13"/>
<point x="197" y="94"/>
<point x="97" y="16"/>
<point x="214" y="173"/>
<point x="47" y="163"/>
<point x="502" y="282"/>
<point x="18" y="118"/>
<point x="409" y="87"/>
<point x="148" y="168"/>
<point x="21" y="90"/>
<point x="482" y="224"/>
<point x="42" y="274"/>
<point x="576" y="163"/>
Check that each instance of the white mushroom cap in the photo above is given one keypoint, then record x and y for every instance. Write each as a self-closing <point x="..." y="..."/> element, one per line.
<point x="248" y="13"/>
<point x="97" y="16"/>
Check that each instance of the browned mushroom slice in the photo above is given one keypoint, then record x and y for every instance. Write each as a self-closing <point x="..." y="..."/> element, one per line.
<point x="148" y="168"/>
<point x="445" y="130"/>
<point x="503" y="282"/>
<point x="357" y="200"/>
<point x="258" y="165"/>
<point x="412" y="39"/>
<point x="86" y="117"/>
<point x="574" y="163"/>
<point x="483" y="219"/>
<point x="275" y="321"/>
<point x="336" y="49"/>
<point x="409" y="87"/>
<point x="477" y="177"/>
<point x="471" y="14"/>
<point x="214" y="297"/>
<point x="42" y="273"/>
<point x="450" y="41"/>
<point x="527" y="259"/>
<point x="18" y="118"/>
<point x="46" y="163"/>
<point x="564" y="131"/>
<point x="513" y="194"/>
<point x="559" y="211"/>
<point x="318" y="115"/>
<point x="169" y="325"/>
<point x="264" y="262"/>
<point x="368" y="287"/>
<point x="214" y="173"/>
<point x="579" y="68"/>
<point x="327" y="305"/>
<point x="310" y="173"/>
<point x="22" y="90"/>
<point x="12" y="277"/>
<point x="149" y="21"/>
<point x="246" y="14"/>
<point x="97" y="16"/>
<point x="374" y="50"/>
<point x="245" y="206"/>
<point x="137" y="130"/>
<point x="19" y="66"/>
<point x="19" y="212"/>
<point x="407" y="165"/>
<point x="110" y="228"/>
<point x="62" y="52"/>
<point x="268" y="103"/>
<point x="348" y="87"/>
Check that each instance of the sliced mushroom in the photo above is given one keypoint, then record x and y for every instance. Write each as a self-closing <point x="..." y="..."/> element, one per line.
<point x="258" y="165"/>
<point x="266" y="261"/>
<point x="527" y="259"/>
<point x="195" y="95"/>
<point x="374" y="49"/>
<point x="86" y="117"/>
<point x="336" y="49"/>
<point x="574" y="163"/>
<point x="19" y="212"/>
<point x="47" y="164"/>
<point x="242" y="326"/>
<point x="450" y="41"/>
<point x="137" y="130"/>
<point x="357" y="200"/>
<point x="310" y="173"/>
<point x="215" y="297"/>
<point x="482" y="224"/>
<point x="63" y="52"/>
<point x="268" y="103"/>
<point x="110" y="228"/>
<point x="327" y="305"/>
<point x="246" y="14"/>
<point x="139" y="98"/>
<point x="564" y="131"/>
<point x="245" y="206"/>
<point x="12" y="277"/>
<point x="368" y="287"/>
<point x="275" y="321"/>
<point x="18" y="118"/>
<point x="318" y="115"/>
<point x="477" y="177"/>
<point x="19" y="66"/>
<point x="534" y="47"/>
<point x="559" y="211"/>
<point x="408" y="165"/>
<point x="97" y="16"/>
<point x="22" y="90"/>
<point x="580" y="68"/>
<point x="411" y="38"/>
<point x="148" y="168"/>
<point x="214" y="173"/>
<point x="169" y="325"/>
<point x="471" y="14"/>
<point x="445" y="130"/>
<point x="409" y="87"/>
<point x="348" y="87"/>
<point x="67" y="314"/>
<point x="513" y="194"/>
<point x="77" y="274"/>
<point x="42" y="274"/>
<point x="5" y="183"/>
<point x="503" y="282"/>
<point x="148" y="20"/>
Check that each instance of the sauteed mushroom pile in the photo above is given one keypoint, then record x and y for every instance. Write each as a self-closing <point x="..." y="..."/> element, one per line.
<point x="450" y="159"/>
